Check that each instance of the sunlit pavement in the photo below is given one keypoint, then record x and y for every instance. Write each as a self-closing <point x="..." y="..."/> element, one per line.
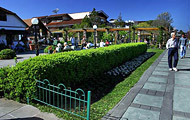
<point x="160" y="94"/>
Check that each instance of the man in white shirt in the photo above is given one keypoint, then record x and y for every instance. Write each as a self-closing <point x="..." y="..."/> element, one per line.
<point x="172" y="46"/>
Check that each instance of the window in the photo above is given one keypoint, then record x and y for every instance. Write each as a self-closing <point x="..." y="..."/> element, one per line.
<point x="102" y="20"/>
<point x="3" y="17"/>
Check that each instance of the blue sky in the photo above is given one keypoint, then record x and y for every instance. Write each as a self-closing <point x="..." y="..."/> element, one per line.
<point x="139" y="10"/>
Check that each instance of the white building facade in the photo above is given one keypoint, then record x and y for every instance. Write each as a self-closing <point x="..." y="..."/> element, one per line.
<point x="11" y="27"/>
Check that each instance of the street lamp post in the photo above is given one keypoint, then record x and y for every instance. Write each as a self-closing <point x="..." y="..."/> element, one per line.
<point x="129" y="23"/>
<point x="35" y="23"/>
<point x="94" y="27"/>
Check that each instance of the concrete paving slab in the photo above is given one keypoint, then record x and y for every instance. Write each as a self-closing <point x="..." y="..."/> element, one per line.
<point x="164" y="69"/>
<point x="7" y="117"/>
<point x="164" y="58"/>
<point x="157" y="79"/>
<point x="140" y="114"/>
<point x="160" y="73"/>
<point x="153" y="86"/>
<point x="13" y="110"/>
<point x="161" y="65"/>
<point x="47" y="116"/>
<point x="148" y="100"/>
<point x="180" y="118"/>
<point x="4" y="101"/>
<point x="181" y="100"/>
<point x="8" y="106"/>
<point x="26" y="111"/>
<point x="180" y="76"/>
<point x="182" y="81"/>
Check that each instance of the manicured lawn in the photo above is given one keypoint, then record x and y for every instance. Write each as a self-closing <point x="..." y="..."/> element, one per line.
<point x="106" y="103"/>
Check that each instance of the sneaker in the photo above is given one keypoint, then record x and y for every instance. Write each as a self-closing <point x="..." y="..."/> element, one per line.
<point x="175" y="69"/>
<point x="170" y="69"/>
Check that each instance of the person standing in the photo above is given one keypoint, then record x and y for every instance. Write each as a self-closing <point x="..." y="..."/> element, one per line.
<point x="183" y="43"/>
<point x="107" y="43"/>
<point x="102" y="43"/>
<point x="73" y="41"/>
<point x="83" y="42"/>
<point x="172" y="46"/>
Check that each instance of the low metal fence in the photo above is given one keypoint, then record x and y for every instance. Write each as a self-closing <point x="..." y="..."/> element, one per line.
<point x="73" y="102"/>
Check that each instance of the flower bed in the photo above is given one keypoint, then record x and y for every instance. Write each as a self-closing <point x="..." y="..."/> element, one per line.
<point x="129" y="66"/>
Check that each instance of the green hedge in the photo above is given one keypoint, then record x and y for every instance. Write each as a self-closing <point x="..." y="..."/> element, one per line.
<point x="70" y="68"/>
<point x="7" y="54"/>
<point x="3" y="74"/>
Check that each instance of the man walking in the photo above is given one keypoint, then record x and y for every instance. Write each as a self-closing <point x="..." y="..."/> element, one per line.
<point x="172" y="46"/>
<point x="182" y="44"/>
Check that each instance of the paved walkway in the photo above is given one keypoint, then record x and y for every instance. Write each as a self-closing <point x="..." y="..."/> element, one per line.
<point x="159" y="95"/>
<point x="11" y="110"/>
<point x="20" y="57"/>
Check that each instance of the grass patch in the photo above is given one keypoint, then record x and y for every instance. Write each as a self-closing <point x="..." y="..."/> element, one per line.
<point x="106" y="103"/>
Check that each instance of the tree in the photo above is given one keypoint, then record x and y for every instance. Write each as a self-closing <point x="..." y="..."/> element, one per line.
<point x="95" y="18"/>
<point x="86" y="22"/>
<point x="188" y="34"/>
<point x="120" y="22"/>
<point x="150" y="22"/>
<point x="143" y="24"/>
<point x="160" y="37"/>
<point x="106" y="36"/>
<point x="163" y="19"/>
<point x="181" y="32"/>
<point x="89" y="21"/>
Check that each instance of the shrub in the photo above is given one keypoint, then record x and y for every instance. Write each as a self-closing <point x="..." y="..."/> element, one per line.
<point x="152" y="46"/>
<point x="49" y="47"/>
<point x="3" y="74"/>
<point x="7" y="54"/>
<point x="70" y="68"/>
<point x="106" y="36"/>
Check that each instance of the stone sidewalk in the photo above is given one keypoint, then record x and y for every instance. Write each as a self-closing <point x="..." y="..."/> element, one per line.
<point x="11" y="110"/>
<point x="20" y="57"/>
<point x="160" y="94"/>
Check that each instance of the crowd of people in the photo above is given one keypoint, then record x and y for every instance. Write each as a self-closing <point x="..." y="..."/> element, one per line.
<point x="73" y="44"/>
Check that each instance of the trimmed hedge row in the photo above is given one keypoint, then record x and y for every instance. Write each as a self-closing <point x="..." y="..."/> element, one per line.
<point x="3" y="74"/>
<point x="70" y="68"/>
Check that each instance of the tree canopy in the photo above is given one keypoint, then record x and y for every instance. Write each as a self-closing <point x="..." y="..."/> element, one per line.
<point x="143" y="24"/>
<point x="163" y="19"/>
<point x="89" y="21"/>
<point x="120" y="22"/>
